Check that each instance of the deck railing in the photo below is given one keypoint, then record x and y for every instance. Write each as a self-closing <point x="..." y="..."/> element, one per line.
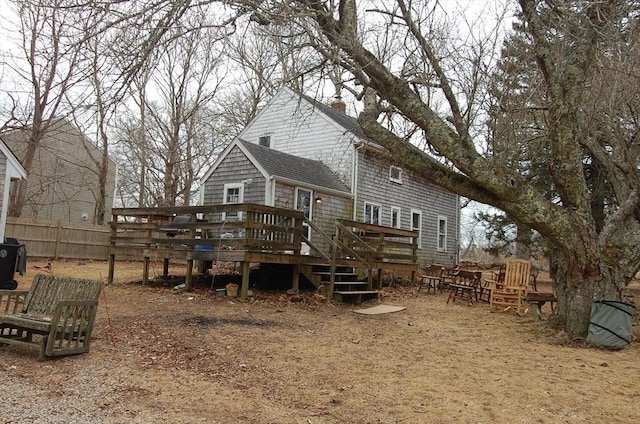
<point x="242" y="227"/>
<point x="248" y="232"/>
<point x="382" y="244"/>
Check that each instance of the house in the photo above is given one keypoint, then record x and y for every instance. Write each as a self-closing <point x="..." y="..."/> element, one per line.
<point x="302" y="154"/>
<point x="10" y="170"/>
<point x="63" y="180"/>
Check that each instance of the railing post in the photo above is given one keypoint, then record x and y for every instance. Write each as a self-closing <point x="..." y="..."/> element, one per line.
<point x="332" y="269"/>
<point x="112" y="243"/>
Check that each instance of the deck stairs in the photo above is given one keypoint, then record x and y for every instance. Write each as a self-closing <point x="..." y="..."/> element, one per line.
<point x="347" y="285"/>
<point x="343" y="263"/>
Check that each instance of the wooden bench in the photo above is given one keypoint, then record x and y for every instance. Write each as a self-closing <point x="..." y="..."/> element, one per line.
<point x="465" y="286"/>
<point x="55" y="316"/>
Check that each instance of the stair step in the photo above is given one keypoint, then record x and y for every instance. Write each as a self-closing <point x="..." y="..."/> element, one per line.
<point x="346" y="283"/>
<point x="355" y="292"/>
<point x="343" y="274"/>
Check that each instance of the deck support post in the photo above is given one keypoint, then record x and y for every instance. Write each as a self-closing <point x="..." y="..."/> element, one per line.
<point x="165" y="268"/>
<point x="295" y="278"/>
<point x="112" y="266"/>
<point x="188" y="278"/>
<point x="244" y="288"/>
<point x="145" y="271"/>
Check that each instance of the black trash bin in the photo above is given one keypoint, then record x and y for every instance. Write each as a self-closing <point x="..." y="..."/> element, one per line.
<point x="8" y="263"/>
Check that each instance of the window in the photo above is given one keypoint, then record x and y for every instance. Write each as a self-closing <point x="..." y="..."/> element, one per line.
<point x="442" y="233"/>
<point x="416" y="224"/>
<point x="395" y="217"/>
<point x="371" y="213"/>
<point x="265" y="141"/>
<point x="395" y="174"/>
<point x="233" y="193"/>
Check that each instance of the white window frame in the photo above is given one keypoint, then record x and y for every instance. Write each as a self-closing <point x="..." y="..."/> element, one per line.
<point x="372" y="205"/>
<point x="419" y="227"/>
<point x="442" y="234"/>
<point x="397" y="179"/>
<point x="227" y="187"/>
<point x="396" y="210"/>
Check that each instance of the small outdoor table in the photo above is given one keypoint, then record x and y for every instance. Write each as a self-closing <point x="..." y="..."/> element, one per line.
<point x="539" y="299"/>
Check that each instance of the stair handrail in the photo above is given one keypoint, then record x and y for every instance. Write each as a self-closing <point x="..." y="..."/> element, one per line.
<point x="331" y="257"/>
<point x="324" y="235"/>
<point x="368" y="262"/>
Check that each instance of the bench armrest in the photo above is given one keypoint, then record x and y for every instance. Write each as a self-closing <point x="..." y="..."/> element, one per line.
<point x="11" y="301"/>
<point x="71" y="311"/>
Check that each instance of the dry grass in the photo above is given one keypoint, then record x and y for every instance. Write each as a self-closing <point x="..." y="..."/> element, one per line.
<point x="196" y="357"/>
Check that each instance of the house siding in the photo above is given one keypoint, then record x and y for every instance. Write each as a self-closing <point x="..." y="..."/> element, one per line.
<point x="295" y="127"/>
<point x="323" y="215"/>
<point x="234" y="169"/>
<point x="414" y="193"/>
<point x="63" y="183"/>
<point x="237" y="167"/>
<point x="3" y="174"/>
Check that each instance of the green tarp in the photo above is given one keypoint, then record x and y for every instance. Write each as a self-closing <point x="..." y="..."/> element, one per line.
<point x="610" y="324"/>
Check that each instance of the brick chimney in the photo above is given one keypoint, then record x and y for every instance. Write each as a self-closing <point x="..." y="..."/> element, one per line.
<point x="339" y="105"/>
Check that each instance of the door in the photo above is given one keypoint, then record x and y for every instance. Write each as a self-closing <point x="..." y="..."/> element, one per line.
<point x="303" y="203"/>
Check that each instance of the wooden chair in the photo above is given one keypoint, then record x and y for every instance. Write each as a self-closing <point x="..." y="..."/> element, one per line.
<point x="512" y="292"/>
<point x="533" y="279"/>
<point x="432" y="278"/>
<point x="488" y="284"/>
<point x="465" y="286"/>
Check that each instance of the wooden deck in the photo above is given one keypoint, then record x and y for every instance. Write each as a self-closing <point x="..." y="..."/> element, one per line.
<point x="250" y="233"/>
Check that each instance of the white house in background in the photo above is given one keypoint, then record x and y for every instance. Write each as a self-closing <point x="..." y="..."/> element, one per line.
<point x="10" y="170"/>
<point x="300" y="153"/>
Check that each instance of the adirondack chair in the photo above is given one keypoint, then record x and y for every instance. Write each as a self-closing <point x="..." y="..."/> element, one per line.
<point x="511" y="294"/>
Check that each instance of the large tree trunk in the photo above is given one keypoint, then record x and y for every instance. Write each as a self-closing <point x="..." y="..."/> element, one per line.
<point x="580" y="278"/>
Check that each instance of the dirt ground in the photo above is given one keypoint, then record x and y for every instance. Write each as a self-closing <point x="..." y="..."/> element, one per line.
<point x="164" y="357"/>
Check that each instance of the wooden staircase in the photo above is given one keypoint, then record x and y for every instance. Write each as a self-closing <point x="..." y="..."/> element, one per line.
<point x="344" y="268"/>
<point x="346" y="285"/>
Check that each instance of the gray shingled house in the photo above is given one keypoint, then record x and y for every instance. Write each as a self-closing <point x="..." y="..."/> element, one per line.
<point x="303" y="154"/>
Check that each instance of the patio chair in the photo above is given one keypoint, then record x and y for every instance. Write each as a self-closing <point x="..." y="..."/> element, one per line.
<point x="511" y="294"/>
<point x="465" y="286"/>
<point x="488" y="284"/>
<point x="432" y="278"/>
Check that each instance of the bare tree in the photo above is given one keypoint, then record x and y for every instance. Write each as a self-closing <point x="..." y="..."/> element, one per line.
<point x="49" y="44"/>
<point x="177" y="132"/>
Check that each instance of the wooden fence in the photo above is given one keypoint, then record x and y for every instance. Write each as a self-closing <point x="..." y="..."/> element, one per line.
<point x="60" y="240"/>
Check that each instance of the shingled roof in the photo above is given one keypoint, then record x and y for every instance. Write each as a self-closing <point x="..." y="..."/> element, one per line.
<point x="284" y="165"/>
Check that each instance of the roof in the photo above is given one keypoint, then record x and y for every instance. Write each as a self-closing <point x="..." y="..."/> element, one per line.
<point x="284" y="165"/>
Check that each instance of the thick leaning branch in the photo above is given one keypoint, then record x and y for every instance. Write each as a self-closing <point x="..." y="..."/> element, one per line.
<point x="503" y="188"/>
